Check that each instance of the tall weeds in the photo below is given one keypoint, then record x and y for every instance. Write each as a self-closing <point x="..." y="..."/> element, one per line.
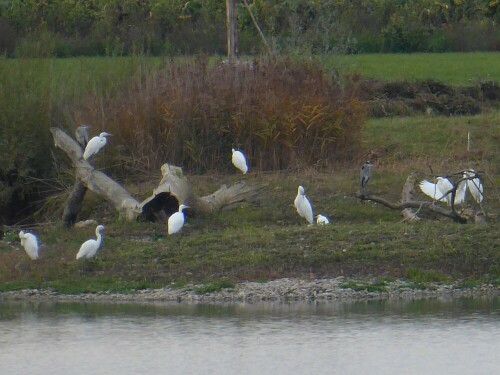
<point x="282" y="114"/>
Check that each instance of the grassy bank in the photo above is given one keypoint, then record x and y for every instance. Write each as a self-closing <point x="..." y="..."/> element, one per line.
<point x="270" y="241"/>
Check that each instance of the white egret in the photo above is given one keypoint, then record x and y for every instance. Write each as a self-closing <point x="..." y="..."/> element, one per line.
<point x="430" y="189"/>
<point x="95" y="144"/>
<point x="322" y="220"/>
<point x="444" y="186"/>
<point x="474" y="185"/>
<point x="439" y="190"/>
<point x="82" y="136"/>
<point x="176" y="220"/>
<point x="89" y="248"/>
<point x="239" y="161"/>
<point x="30" y="244"/>
<point x="303" y="205"/>
<point x="365" y="174"/>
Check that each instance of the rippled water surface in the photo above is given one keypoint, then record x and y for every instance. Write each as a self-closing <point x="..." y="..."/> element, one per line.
<point x="459" y="336"/>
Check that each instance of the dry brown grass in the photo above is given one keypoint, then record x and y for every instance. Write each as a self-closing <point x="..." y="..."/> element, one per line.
<point x="281" y="114"/>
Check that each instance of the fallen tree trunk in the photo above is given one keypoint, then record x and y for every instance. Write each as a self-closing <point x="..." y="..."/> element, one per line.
<point x="95" y="180"/>
<point x="174" y="188"/>
<point x="228" y="197"/>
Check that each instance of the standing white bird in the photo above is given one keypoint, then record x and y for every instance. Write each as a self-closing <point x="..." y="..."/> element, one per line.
<point x="303" y="205"/>
<point x="30" y="244"/>
<point x="95" y="144"/>
<point x="176" y="220"/>
<point x="239" y="161"/>
<point x="322" y="220"/>
<point x="89" y="248"/>
<point x="474" y="185"/>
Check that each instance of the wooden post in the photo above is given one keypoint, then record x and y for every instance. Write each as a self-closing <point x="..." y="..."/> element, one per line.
<point x="232" y="35"/>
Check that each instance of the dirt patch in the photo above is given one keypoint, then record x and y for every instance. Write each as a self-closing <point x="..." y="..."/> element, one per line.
<point x="429" y="96"/>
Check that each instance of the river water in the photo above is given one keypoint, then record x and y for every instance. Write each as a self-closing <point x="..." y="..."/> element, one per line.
<point x="459" y="336"/>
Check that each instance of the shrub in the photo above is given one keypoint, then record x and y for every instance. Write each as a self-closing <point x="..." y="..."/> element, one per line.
<point x="282" y="114"/>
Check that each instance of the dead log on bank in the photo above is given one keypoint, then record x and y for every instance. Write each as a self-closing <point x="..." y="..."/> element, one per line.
<point x="173" y="189"/>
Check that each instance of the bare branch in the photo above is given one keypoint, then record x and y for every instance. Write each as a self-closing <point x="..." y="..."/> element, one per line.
<point x="414" y="204"/>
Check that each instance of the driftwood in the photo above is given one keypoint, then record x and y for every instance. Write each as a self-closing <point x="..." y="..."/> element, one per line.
<point x="74" y="202"/>
<point x="228" y="197"/>
<point x="407" y="196"/>
<point x="95" y="180"/>
<point x="173" y="189"/>
<point x="407" y="203"/>
<point x="415" y="204"/>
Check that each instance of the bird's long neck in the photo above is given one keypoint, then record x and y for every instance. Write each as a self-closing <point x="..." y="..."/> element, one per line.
<point x="98" y="235"/>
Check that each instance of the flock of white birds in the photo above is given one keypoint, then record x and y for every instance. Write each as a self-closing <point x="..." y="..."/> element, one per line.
<point x="440" y="191"/>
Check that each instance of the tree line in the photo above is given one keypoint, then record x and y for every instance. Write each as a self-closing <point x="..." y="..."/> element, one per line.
<point x="64" y="28"/>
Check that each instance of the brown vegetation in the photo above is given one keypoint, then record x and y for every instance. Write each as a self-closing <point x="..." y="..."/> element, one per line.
<point x="282" y="115"/>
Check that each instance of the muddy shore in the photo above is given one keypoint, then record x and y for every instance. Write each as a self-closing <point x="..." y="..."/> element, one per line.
<point x="281" y="290"/>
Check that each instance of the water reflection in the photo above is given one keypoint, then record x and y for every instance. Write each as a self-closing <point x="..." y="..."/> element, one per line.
<point x="458" y="336"/>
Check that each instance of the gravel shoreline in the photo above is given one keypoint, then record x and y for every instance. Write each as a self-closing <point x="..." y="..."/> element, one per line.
<point x="281" y="290"/>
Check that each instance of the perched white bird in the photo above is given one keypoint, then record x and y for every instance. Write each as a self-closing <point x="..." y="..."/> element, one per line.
<point x="438" y="191"/>
<point x="474" y="185"/>
<point x="303" y="205"/>
<point x="176" y="220"/>
<point x="322" y="220"/>
<point x="89" y="248"/>
<point x="239" y="161"/>
<point x="94" y="145"/>
<point x="30" y="244"/>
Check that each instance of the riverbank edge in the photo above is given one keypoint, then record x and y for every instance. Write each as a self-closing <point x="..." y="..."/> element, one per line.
<point x="280" y="290"/>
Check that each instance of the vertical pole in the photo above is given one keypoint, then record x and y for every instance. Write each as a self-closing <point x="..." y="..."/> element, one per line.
<point x="232" y="37"/>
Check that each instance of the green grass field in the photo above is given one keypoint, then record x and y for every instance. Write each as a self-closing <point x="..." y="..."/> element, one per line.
<point x="88" y="73"/>
<point x="269" y="240"/>
<point x="461" y="69"/>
